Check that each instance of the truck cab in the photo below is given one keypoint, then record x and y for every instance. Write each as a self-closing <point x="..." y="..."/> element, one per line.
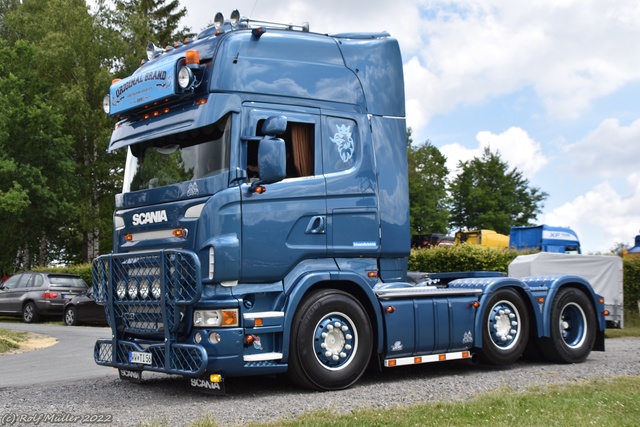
<point x="263" y="225"/>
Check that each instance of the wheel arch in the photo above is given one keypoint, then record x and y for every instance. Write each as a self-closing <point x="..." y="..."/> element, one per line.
<point x="505" y="283"/>
<point x="351" y="284"/>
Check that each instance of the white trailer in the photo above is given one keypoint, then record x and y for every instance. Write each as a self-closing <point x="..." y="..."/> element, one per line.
<point x="603" y="272"/>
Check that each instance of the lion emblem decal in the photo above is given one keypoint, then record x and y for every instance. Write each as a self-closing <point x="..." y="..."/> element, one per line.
<point x="343" y="140"/>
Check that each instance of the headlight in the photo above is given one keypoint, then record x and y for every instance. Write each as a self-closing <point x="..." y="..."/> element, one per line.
<point x="106" y="103"/>
<point x="223" y="318"/>
<point x="185" y="78"/>
<point x="121" y="289"/>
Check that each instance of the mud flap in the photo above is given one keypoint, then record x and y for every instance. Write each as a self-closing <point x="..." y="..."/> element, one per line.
<point x="204" y="385"/>
<point x="129" y="375"/>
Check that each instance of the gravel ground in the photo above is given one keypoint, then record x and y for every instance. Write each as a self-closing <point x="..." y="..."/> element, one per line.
<point x="170" y="401"/>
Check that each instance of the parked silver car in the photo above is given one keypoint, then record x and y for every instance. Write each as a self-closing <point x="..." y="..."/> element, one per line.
<point x="34" y="295"/>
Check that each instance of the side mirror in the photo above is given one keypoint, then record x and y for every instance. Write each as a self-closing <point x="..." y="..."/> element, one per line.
<point x="274" y="125"/>
<point x="272" y="160"/>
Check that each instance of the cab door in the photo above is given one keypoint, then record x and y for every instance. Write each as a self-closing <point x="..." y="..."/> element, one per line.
<point x="352" y="196"/>
<point x="286" y="223"/>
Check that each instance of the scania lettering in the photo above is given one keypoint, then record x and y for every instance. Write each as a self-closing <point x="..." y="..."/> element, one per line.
<point x="263" y="224"/>
<point x="149" y="217"/>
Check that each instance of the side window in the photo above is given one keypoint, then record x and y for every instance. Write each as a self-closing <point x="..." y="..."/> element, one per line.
<point x="37" y="281"/>
<point x="342" y="142"/>
<point x="12" y="281"/>
<point x="24" y="280"/>
<point x="299" y="142"/>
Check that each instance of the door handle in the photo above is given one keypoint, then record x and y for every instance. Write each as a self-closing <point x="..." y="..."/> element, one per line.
<point x="316" y="225"/>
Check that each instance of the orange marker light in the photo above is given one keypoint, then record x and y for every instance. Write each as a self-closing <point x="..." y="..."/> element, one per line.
<point x="390" y="309"/>
<point x="129" y="237"/>
<point x="392" y="363"/>
<point x="180" y="232"/>
<point x="475" y="304"/>
<point x="417" y="359"/>
<point x="541" y="300"/>
<point x="257" y="322"/>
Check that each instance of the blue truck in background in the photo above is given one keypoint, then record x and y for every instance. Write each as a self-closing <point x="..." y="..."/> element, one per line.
<point x="263" y="225"/>
<point x="545" y="238"/>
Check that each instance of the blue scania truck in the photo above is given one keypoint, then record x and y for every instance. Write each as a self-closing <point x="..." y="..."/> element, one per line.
<point x="263" y="225"/>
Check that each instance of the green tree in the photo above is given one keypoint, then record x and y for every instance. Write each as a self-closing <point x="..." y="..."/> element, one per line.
<point x="62" y="59"/>
<point x="427" y="188"/>
<point x="487" y="194"/>
<point x="36" y="160"/>
<point x="141" y="22"/>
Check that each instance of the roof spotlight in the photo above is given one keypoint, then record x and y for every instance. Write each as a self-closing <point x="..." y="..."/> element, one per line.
<point x="235" y="17"/>
<point x="219" y="20"/>
<point x="153" y="51"/>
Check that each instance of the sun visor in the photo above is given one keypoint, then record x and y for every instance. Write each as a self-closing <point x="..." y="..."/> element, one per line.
<point x="201" y="113"/>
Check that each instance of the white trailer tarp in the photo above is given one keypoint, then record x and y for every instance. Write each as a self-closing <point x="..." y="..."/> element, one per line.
<point x="603" y="272"/>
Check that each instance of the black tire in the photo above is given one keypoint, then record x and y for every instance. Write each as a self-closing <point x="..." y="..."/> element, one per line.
<point x="331" y="341"/>
<point x="573" y="328"/>
<point x="70" y="317"/>
<point x="30" y="313"/>
<point x="505" y="328"/>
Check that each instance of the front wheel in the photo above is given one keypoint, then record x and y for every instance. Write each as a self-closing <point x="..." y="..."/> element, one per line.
<point x="331" y="341"/>
<point x="573" y="328"/>
<point x="505" y="328"/>
<point x="70" y="318"/>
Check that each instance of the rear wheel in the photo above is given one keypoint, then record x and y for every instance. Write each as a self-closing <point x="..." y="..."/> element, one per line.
<point x="573" y="328"/>
<point x="505" y="328"/>
<point x="30" y="313"/>
<point x="331" y="341"/>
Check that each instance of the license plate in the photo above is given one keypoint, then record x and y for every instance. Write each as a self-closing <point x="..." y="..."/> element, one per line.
<point x="140" y="357"/>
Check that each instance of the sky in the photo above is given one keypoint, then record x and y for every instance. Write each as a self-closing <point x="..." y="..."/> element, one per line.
<point x="552" y="85"/>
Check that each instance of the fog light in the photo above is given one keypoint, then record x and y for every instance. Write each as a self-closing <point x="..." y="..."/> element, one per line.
<point x="121" y="289"/>
<point x="144" y="289"/>
<point x="155" y="289"/>
<point x="197" y="337"/>
<point x="132" y="289"/>
<point x="214" y="338"/>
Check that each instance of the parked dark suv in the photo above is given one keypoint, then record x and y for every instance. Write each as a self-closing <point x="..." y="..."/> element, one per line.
<point x="34" y="295"/>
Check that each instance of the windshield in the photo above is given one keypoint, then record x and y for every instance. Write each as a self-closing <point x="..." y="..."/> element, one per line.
<point x="73" y="282"/>
<point x="181" y="157"/>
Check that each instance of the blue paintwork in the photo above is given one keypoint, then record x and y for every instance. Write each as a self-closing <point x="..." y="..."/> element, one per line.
<point x="345" y="226"/>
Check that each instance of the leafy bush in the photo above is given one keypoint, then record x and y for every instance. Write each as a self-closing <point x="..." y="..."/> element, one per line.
<point x="461" y="258"/>
<point x="631" y="278"/>
<point x="82" y="270"/>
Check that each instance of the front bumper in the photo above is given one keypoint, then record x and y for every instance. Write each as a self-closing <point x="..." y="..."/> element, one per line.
<point x="180" y="359"/>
